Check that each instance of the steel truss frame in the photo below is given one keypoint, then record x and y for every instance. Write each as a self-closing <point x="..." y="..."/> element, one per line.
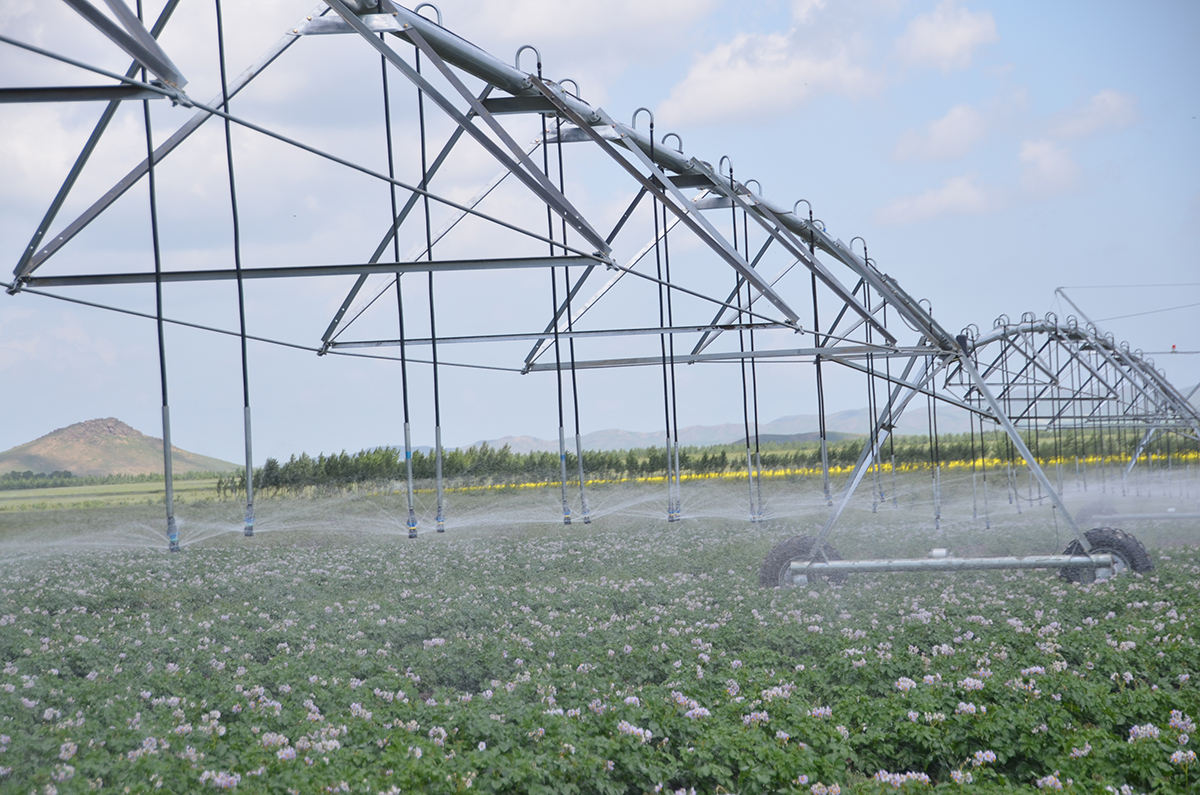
<point x="1035" y="373"/>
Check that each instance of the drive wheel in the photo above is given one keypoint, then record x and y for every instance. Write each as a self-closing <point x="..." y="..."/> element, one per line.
<point x="1128" y="554"/>
<point x="775" y="569"/>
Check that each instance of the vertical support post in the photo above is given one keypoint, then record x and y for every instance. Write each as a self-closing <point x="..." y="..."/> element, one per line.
<point x="583" y="503"/>
<point x="558" y="379"/>
<point x="737" y="287"/>
<point x="394" y="234"/>
<point x="562" y="436"/>
<point x="758" y="509"/>
<point x="440" y="517"/>
<point x="248" y="525"/>
<point x="408" y="465"/>
<point x="974" y="482"/>
<point x="817" y="339"/>
<point x="168" y="473"/>
<point x="677" y="506"/>
<point x="659" y="242"/>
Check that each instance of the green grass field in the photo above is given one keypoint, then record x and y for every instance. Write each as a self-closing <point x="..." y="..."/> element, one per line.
<point x="104" y="494"/>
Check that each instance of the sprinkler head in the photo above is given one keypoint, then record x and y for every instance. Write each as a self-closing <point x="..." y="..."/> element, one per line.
<point x="249" y="530"/>
<point x="587" y="519"/>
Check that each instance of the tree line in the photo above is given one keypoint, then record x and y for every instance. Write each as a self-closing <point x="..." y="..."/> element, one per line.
<point x="487" y="465"/>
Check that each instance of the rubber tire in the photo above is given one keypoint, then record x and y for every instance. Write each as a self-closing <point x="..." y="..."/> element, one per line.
<point x="1127" y="551"/>
<point x="774" y="571"/>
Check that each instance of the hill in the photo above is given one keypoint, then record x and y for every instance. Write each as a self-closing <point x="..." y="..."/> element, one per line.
<point x="102" y="447"/>
<point x="797" y="427"/>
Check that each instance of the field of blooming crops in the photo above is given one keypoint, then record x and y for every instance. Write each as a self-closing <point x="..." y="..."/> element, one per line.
<point x="630" y="655"/>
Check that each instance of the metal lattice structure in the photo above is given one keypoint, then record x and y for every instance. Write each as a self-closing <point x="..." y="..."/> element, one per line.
<point x="670" y="278"/>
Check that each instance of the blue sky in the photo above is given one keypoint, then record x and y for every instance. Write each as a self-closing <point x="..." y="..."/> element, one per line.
<point x="987" y="152"/>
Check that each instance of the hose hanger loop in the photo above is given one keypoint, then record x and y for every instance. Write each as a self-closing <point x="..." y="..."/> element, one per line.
<point x="565" y="80"/>
<point x="725" y="159"/>
<point x="647" y="111"/>
<point x="436" y="11"/>
<point x="1052" y="319"/>
<point x="864" y="242"/>
<point x="537" y="55"/>
<point x="678" y="141"/>
<point x="756" y="182"/>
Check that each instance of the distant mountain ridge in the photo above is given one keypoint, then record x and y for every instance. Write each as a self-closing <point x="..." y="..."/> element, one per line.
<point x="797" y="427"/>
<point x="103" y="447"/>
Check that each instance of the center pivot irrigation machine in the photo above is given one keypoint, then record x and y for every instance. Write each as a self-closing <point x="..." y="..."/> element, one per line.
<point x="678" y="263"/>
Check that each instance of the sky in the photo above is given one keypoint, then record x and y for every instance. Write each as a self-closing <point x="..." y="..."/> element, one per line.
<point x="988" y="153"/>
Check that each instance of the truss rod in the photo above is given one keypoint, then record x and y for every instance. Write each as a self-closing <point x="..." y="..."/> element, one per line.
<point x="523" y="170"/>
<point x="690" y="217"/>
<point x="537" y="335"/>
<point x="86" y="152"/>
<point x="543" y="344"/>
<point x="716" y="321"/>
<point x="77" y="94"/>
<point x="302" y="271"/>
<point x="206" y="111"/>
<point x="265" y="340"/>
<point x="29" y="263"/>
<point x="134" y="40"/>
<point x="397" y="222"/>
<point x="734" y="356"/>
<point x="845" y="361"/>
<point x="778" y="231"/>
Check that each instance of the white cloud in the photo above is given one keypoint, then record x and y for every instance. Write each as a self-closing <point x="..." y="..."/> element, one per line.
<point x="1106" y="110"/>
<point x="1047" y="167"/>
<point x="760" y="72"/>
<point x="946" y="37"/>
<point x="62" y="346"/>
<point x="958" y="195"/>
<point x="531" y="20"/>
<point x="949" y="137"/>
<point x="802" y="10"/>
